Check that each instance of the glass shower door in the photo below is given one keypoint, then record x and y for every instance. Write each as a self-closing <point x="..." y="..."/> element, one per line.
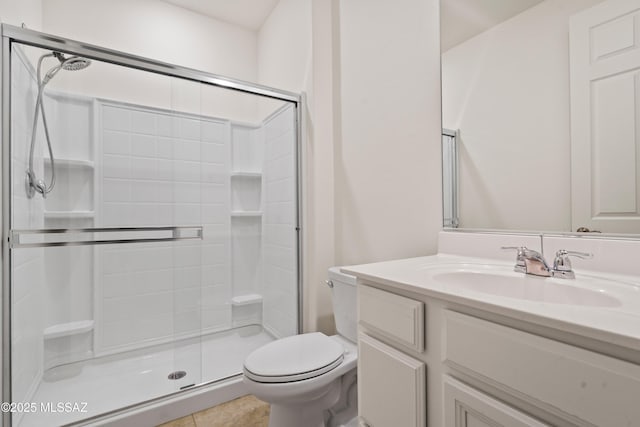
<point x="166" y="251"/>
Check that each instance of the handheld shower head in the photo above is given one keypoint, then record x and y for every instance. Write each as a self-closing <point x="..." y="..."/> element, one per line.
<point x="72" y="63"/>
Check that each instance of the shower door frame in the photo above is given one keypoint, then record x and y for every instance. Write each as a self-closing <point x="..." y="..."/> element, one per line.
<point x="12" y="34"/>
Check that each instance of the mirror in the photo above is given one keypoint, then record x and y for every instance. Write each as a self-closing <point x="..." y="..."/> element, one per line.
<point x="539" y="104"/>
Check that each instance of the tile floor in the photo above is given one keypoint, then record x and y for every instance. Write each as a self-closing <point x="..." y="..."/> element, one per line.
<point x="246" y="411"/>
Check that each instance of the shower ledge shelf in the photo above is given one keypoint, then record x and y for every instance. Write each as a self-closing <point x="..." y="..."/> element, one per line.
<point x="240" y="174"/>
<point x="69" y="214"/>
<point x="246" y="213"/>
<point x="71" y="163"/>
<point x="246" y="299"/>
<point x="68" y="329"/>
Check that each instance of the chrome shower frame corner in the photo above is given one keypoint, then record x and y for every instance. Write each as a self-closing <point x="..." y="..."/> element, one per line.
<point x="12" y="34"/>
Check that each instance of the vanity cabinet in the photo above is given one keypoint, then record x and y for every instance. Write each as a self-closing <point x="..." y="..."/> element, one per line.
<point x="484" y="369"/>
<point x="388" y="378"/>
<point x="465" y="406"/>
<point x="391" y="383"/>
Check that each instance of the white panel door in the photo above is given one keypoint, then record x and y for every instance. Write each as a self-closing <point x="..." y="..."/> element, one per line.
<point x="467" y="407"/>
<point x="391" y="386"/>
<point x="605" y="144"/>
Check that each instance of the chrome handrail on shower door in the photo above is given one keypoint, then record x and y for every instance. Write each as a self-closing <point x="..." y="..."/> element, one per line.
<point x="42" y="238"/>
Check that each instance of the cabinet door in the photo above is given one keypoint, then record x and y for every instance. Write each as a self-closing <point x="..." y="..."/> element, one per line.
<point x="467" y="407"/>
<point x="391" y="386"/>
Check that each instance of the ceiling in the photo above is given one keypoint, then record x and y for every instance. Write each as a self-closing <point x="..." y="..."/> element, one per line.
<point x="463" y="19"/>
<point x="460" y="19"/>
<point x="249" y="14"/>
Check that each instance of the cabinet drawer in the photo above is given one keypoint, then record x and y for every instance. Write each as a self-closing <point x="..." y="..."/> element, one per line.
<point x="467" y="407"/>
<point x="588" y="386"/>
<point x="391" y="386"/>
<point x="393" y="316"/>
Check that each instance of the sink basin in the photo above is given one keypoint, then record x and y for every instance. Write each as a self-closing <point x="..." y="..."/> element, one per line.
<point x="583" y="291"/>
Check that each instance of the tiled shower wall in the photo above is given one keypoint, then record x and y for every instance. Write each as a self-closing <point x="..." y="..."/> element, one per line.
<point x="279" y="234"/>
<point x="163" y="168"/>
<point x="28" y="264"/>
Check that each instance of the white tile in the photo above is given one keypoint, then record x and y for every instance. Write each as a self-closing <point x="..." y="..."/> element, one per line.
<point x="187" y="277"/>
<point x="214" y="254"/>
<point x="164" y="147"/>
<point x="187" y="256"/>
<point x="164" y="214"/>
<point x="186" y="171"/>
<point x="164" y="170"/>
<point x="190" y="129"/>
<point x="144" y="191"/>
<point x="215" y="173"/>
<point x="215" y="193"/>
<point x="215" y="296"/>
<point x="115" y="214"/>
<point x="187" y="192"/>
<point x="187" y="150"/>
<point x="186" y="299"/>
<point x="116" y="118"/>
<point x="280" y="168"/>
<point x="143" y="122"/>
<point x="114" y="261"/>
<point x="188" y="322"/>
<point x="215" y="214"/>
<point x="143" y="168"/>
<point x="116" y="166"/>
<point x="187" y="214"/>
<point x="216" y="318"/>
<point x="215" y="153"/>
<point x="143" y="145"/>
<point x="280" y="213"/>
<point x="280" y="191"/>
<point x="142" y="215"/>
<point x="281" y="146"/>
<point x="116" y="190"/>
<point x="116" y="142"/>
<point x="214" y="131"/>
<point x="216" y="275"/>
<point x="166" y="125"/>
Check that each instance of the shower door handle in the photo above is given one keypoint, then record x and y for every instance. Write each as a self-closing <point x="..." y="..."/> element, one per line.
<point x="43" y="238"/>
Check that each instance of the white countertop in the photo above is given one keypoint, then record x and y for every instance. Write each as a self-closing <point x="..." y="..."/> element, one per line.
<point x="618" y="325"/>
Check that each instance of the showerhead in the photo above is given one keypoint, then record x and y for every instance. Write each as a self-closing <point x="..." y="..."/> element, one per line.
<point x="72" y="63"/>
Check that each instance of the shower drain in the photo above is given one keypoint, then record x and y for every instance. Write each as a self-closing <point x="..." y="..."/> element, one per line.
<point x="176" y="375"/>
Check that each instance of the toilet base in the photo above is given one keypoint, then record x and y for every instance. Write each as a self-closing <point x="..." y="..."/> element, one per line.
<point x="311" y="413"/>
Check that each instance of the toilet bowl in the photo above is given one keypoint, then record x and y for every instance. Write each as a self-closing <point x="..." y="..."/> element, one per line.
<point x="310" y="379"/>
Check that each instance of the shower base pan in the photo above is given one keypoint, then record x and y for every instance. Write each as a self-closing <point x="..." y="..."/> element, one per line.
<point x="102" y="385"/>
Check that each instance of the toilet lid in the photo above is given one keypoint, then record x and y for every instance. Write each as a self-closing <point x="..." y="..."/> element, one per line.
<point x="294" y="358"/>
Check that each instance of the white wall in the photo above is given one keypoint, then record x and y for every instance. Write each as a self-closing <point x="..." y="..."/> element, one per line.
<point x="388" y="190"/>
<point x="162" y="31"/>
<point x="507" y="90"/>
<point x="28" y="12"/>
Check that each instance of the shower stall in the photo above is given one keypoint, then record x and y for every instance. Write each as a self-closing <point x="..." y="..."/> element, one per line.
<point x="151" y="228"/>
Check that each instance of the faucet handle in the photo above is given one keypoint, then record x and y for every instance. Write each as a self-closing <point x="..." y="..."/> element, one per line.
<point x="562" y="263"/>
<point x="520" y="266"/>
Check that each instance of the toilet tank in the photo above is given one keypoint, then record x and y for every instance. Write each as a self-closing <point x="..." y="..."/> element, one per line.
<point x="343" y="296"/>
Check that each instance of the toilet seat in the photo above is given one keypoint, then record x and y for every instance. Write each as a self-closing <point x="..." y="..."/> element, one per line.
<point x="294" y="358"/>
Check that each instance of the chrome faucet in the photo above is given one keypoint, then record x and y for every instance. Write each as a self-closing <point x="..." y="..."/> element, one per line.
<point x="532" y="262"/>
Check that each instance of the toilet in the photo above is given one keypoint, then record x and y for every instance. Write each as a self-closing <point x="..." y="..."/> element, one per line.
<point x="310" y="379"/>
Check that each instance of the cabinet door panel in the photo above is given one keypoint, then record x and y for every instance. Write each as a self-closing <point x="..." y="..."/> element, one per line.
<point x="391" y="386"/>
<point x="467" y="407"/>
